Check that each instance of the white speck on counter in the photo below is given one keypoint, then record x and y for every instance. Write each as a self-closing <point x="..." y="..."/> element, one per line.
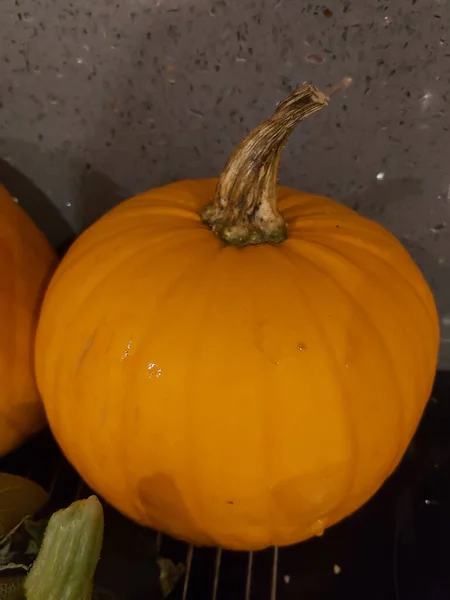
<point x="439" y="227"/>
<point x="446" y="320"/>
<point x="16" y="200"/>
<point x="426" y="100"/>
<point x="80" y="60"/>
<point x="68" y="204"/>
<point x="337" y="569"/>
<point x="381" y="175"/>
<point x="287" y="579"/>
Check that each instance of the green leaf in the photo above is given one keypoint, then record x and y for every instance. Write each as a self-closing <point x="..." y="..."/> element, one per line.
<point x="170" y="574"/>
<point x="20" y="547"/>
<point x="19" y="498"/>
<point x="68" y="557"/>
<point x="35" y="529"/>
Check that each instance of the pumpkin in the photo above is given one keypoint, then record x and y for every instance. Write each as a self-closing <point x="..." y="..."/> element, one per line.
<point x="242" y="373"/>
<point x="26" y="264"/>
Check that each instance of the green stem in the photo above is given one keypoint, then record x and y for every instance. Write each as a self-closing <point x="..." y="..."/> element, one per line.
<point x="244" y="210"/>
<point x="65" y="566"/>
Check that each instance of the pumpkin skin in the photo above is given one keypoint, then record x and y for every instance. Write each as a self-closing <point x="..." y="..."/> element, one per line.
<point x="26" y="264"/>
<point x="240" y="397"/>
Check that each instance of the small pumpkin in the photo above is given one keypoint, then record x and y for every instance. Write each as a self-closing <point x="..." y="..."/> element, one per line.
<point x="26" y="264"/>
<point x="244" y="373"/>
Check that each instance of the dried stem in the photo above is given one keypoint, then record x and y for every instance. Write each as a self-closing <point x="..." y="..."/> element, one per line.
<point x="244" y="210"/>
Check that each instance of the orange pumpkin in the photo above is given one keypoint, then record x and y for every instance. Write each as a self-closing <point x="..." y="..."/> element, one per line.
<point x="26" y="264"/>
<point x="246" y="377"/>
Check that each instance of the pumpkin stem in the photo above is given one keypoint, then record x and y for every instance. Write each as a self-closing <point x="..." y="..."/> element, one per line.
<point x="244" y="210"/>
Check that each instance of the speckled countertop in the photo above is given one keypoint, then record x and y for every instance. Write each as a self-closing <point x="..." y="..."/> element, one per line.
<point x="101" y="99"/>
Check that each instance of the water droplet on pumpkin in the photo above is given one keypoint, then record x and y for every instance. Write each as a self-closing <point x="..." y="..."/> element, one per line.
<point x="126" y="354"/>
<point x="318" y="528"/>
<point x="154" y="370"/>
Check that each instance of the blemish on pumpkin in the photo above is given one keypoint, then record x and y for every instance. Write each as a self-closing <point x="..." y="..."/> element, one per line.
<point x="230" y="502"/>
<point x="85" y="350"/>
<point x="301" y="347"/>
<point x="166" y="510"/>
<point x="306" y="500"/>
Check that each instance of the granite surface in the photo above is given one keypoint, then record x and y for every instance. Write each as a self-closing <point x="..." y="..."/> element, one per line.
<point x="101" y="99"/>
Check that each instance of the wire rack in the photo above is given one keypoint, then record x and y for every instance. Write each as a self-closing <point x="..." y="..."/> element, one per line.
<point x="231" y="574"/>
